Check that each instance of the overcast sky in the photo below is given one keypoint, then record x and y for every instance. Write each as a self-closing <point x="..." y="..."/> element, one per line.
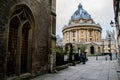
<point x="100" y="10"/>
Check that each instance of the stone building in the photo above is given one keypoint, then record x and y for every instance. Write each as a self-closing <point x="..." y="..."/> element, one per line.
<point x="109" y="43"/>
<point x="27" y="37"/>
<point x="82" y="28"/>
<point x="116" y="5"/>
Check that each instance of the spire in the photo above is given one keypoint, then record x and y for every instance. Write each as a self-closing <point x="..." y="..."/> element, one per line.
<point x="80" y="6"/>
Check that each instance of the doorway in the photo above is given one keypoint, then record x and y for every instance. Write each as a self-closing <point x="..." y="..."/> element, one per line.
<point x="92" y="50"/>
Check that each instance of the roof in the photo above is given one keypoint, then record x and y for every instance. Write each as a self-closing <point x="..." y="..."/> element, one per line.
<point x="80" y="13"/>
<point x="81" y="18"/>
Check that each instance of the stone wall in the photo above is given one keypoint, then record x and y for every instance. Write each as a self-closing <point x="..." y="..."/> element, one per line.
<point x="4" y="8"/>
<point x="41" y="11"/>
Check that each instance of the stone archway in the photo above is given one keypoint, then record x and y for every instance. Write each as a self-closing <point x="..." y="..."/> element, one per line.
<point x="20" y="34"/>
<point x="99" y="50"/>
<point x="92" y="49"/>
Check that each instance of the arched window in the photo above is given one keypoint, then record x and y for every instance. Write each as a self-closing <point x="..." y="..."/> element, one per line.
<point x="18" y="40"/>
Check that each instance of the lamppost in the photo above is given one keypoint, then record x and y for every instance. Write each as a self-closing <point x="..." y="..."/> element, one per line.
<point x="112" y="23"/>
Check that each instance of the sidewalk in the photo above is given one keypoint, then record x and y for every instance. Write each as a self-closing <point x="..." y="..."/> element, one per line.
<point x="92" y="70"/>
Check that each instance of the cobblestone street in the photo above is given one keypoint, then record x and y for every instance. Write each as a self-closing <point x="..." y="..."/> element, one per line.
<point x="93" y="70"/>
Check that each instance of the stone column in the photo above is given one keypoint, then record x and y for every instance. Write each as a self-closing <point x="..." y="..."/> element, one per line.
<point x="100" y="36"/>
<point x="79" y="35"/>
<point x="84" y="35"/>
<point x="69" y="36"/>
<point x="87" y="35"/>
<point x="94" y="35"/>
<point x="76" y="38"/>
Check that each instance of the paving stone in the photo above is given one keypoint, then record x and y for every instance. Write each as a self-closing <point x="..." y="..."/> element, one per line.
<point x="92" y="70"/>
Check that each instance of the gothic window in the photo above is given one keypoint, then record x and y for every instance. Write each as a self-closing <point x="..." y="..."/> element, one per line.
<point x="12" y="46"/>
<point x="24" y="47"/>
<point x="18" y="38"/>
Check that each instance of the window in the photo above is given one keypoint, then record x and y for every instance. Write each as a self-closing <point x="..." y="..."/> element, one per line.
<point x="109" y="45"/>
<point x="81" y="32"/>
<point x="73" y="33"/>
<point x="90" y="33"/>
<point x="109" y="36"/>
<point x="18" y="39"/>
<point x="67" y="40"/>
<point x="90" y="39"/>
<point x="82" y="39"/>
<point x="73" y="40"/>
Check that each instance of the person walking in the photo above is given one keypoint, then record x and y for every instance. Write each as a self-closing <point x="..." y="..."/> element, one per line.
<point x="83" y="58"/>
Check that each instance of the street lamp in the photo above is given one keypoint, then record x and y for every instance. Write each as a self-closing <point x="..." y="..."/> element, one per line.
<point x="112" y="23"/>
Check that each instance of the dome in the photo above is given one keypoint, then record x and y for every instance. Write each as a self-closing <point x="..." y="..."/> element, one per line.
<point x="80" y="13"/>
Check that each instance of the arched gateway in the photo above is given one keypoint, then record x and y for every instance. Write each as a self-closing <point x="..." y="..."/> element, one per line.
<point x="92" y="50"/>
<point x="19" y="37"/>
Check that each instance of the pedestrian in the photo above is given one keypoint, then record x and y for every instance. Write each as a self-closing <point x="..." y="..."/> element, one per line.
<point x="116" y="55"/>
<point x="110" y="56"/>
<point x="83" y="58"/>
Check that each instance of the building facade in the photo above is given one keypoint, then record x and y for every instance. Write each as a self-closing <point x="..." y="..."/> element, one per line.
<point x="27" y="37"/>
<point x="116" y="5"/>
<point x="109" y="43"/>
<point x="82" y="28"/>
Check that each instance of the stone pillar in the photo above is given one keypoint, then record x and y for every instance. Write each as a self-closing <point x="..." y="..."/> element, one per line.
<point x="76" y="35"/>
<point x="86" y="35"/>
<point x="79" y="35"/>
<point x="94" y="35"/>
<point x="69" y="36"/>
<point x="100" y="36"/>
